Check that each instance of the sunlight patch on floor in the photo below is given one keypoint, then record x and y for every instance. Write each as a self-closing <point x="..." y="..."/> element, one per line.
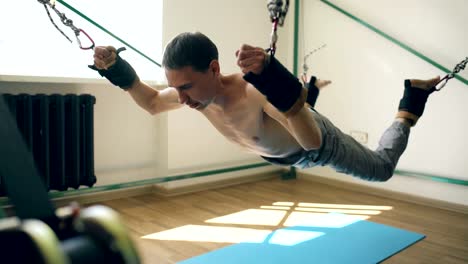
<point x="251" y="217"/>
<point x="275" y="207"/>
<point x="199" y="233"/>
<point x="337" y="210"/>
<point x="286" y="237"/>
<point x="325" y="220"/>
<point x="275" y="216"/>
<point x="220" y="234"/>
<point x="347" y="206"/>
<point x="283" y="203"/>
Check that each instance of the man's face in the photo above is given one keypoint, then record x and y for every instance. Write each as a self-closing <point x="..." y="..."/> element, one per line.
<point x="196" y="89"/>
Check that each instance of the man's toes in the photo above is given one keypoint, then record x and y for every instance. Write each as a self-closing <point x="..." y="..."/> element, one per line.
<point x="321" y="83"/>
<point x="433" y="81"/>
<point x="425" y="84"/>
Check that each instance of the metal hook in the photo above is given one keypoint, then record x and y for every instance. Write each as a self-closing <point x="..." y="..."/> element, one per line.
<point x="459" y="67"/>
<point x="89" y="38"/>
<point x="67" y="22"/>
<point x="446" y="78"/>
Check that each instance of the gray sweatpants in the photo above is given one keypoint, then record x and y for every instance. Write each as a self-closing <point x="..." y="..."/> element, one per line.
<point x="343" y="153"/>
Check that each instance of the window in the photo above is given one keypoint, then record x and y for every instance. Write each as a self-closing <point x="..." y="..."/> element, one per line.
<point x="31" y="46"/>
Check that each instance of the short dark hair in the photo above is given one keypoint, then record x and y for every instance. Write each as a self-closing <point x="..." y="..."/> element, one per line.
<point x="190" y="49"/>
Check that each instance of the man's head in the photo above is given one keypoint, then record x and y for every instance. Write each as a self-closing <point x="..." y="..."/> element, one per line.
<point x="190" y="49"/>
<point x="191" y="64"/>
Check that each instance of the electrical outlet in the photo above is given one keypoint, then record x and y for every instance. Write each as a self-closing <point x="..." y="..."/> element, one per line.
<point x="359" y="136"/>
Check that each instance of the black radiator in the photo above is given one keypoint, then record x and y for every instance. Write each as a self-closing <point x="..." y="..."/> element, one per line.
<point x="59" y="131"/>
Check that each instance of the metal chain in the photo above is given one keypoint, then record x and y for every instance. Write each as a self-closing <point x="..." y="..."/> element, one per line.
<point x="458" y="68"/>
<point x="67" y="22"/>
<point x="277" y="16"/>
<point x="277" y="11"/>
<point x="305" y="67"/>
<point x="55" y="25"/>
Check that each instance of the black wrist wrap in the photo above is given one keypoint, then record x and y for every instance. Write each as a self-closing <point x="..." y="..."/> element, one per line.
<point x="414" y="99"/>
<point x="282" y="88"/>
<point x="121" y="73"/>
<point x="312" y="92"/>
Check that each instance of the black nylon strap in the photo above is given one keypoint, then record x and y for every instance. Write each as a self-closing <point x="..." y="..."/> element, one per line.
<point x="280" y="86"/>
<point x="17" y="168"/>
<point x="121" y="73"/>
<point x="313" y="92"/>
<point x="414" y="99"/>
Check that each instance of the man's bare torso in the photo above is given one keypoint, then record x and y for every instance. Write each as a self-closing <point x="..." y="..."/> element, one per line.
<point x="245" y="117"/>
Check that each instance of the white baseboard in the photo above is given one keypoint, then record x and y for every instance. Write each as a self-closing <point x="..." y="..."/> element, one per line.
<point x="385" y="193"/>
<point x="97" y="197"/>
<point x="168" y="192"/>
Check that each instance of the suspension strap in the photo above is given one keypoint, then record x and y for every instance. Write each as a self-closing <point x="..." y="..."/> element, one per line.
<point x="277" y="16"/>
<point x="305" y="66"/>
<point x="76" y="11"/>
<point x="68" y="23"/>
<point x="458" y="68"/>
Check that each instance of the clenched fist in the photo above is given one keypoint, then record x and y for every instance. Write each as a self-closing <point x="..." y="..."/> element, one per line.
<point x="104" y="57"/>
<point x="251" y="59"/>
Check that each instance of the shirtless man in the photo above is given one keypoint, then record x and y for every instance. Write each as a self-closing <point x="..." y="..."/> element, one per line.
<point x="264" y="109"/>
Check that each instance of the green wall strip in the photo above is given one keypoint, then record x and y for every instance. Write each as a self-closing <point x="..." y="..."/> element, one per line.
<point x="395" y="41"/>
<point x="431" y="177"/>
<point x="296" y="35"/>
<point x="106" y="31"/>
<point x="5" y="201"/>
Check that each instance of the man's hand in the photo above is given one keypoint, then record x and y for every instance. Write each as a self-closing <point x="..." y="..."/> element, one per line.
<point x="251" y="59"/>
<point x="104" y="57"/>
<point x="109" y="64"/>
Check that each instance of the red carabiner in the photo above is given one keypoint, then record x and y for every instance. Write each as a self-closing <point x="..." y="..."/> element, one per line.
<point x="79" y="42"/>
<point x="274" y="37"/>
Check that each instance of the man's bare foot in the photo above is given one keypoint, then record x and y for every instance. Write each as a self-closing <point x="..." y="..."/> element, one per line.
<point x="425" y="84"/>
<point x="413" y="102"/>
<point x="318" y="83"/>
<point x="321" y="83"/>
<point x="314" y="86"/>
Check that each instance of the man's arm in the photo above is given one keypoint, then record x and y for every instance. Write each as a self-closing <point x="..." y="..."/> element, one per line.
<point x="154" y="101"/>
<point x="285" y="94"/>
<point x="109" y="64"/>
<point x="301" y="125"/>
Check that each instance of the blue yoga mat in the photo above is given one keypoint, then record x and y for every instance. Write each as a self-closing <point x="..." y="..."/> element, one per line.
<point x="335" y="238"/>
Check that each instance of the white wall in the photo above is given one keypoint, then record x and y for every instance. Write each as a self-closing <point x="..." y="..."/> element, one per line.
<point x="368" y="71"/>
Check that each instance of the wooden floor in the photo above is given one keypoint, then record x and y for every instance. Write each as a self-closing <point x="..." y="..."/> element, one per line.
<point x="446" y="231"/>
